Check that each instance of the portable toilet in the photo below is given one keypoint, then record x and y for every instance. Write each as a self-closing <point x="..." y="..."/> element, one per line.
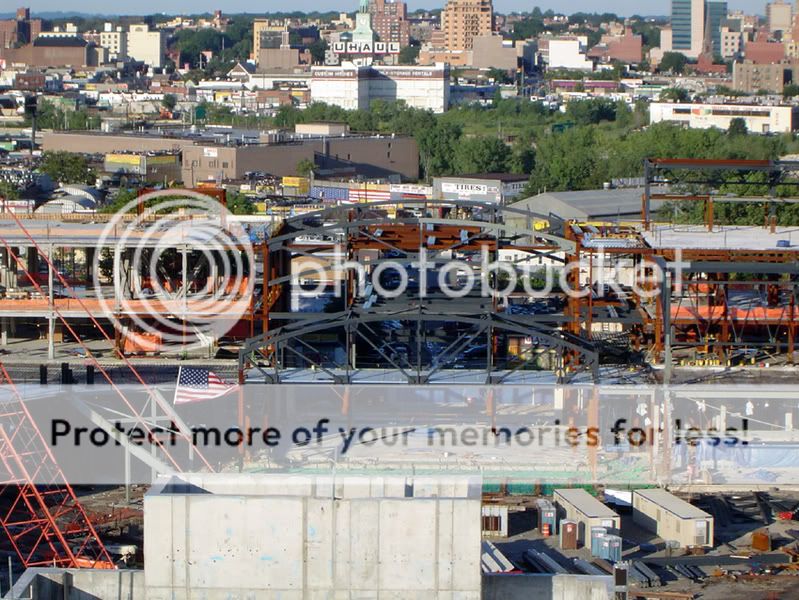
<point x="568" y="535"/>
<point x="597" y="535"/>
<point x="612" y="548"/>
<point x="547" y="517"/>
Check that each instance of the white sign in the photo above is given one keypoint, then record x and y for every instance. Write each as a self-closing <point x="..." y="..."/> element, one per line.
<point x="410" y="188"/>
<point x="464" y="189"/>
<point x="210" y="152"/>
<point x="366" y="47"/>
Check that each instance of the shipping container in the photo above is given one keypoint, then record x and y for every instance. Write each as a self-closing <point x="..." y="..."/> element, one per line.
<point x="578" y="505"/>
<point x="568" y="535"/>
<point x="672" y="518"/>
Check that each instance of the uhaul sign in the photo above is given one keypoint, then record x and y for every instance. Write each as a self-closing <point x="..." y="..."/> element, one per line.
<point x="366" y="47"/>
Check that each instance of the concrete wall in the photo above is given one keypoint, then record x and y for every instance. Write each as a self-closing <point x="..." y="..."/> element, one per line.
<point x="79" y="584"/>
<point x="310" y="537"/>
<point x="547" y="587"/>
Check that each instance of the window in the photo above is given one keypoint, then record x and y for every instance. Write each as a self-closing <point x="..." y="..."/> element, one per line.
<point x="224" y="164"/>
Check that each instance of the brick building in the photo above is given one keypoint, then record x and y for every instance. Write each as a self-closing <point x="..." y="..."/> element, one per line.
<point x="390" y="21"/>
<point x="207" y="160"/>
<point x="19" y="30"/>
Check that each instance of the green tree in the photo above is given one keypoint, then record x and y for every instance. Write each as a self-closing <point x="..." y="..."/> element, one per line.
<point x="501" y="76"/>
<point x="674" y="95"/>
<point x="591" y="112"/>
<point x="239" y="204"/>
<point x="522" y="159"/>
<point x="169" y="101"/>
<point x="66" y="168"/>
<point x="305" y="167"/>
<point x="482" y="155"/>
<point x="318" y="49"/>
<point x="409" y="54"/>
<point x="8" y="191"/>
<point x="790" y="90"/>
<point x="437" y="148"/>
<point x="737" y="127"/>
<point x="673" y="62"/>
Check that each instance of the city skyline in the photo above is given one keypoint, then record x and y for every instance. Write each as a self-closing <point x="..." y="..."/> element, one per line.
<point x="621" y="7"/>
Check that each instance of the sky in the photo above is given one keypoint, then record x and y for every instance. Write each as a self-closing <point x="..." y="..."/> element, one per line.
<point x="621" y="7"/>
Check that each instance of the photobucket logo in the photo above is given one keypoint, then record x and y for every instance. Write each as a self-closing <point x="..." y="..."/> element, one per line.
<point x="178" y="276"/>
<point x="486" y="276"/>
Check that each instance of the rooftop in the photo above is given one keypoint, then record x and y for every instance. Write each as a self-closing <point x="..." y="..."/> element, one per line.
<point x="673" y="504"/>
<point x="722" y="237"/>
<point x="59" y="42"/>
<point x="491" y="176"/>
<point x="585" y="502"/>
<point x="588" y="204"/>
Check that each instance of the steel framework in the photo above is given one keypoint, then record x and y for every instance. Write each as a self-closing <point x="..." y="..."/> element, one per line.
<point x="43" y="521"/>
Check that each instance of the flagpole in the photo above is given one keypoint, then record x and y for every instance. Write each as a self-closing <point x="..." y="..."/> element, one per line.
<point x="241" y="416"/>
<point x="177" y="386"/>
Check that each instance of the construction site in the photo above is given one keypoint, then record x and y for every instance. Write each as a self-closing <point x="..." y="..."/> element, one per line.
<point x="417" y="314"/>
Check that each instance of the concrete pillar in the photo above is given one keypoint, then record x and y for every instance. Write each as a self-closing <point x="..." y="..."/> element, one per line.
<point x="32" y="261"/>
<point x="89" y="254"/>
<point x="50" y="304"/>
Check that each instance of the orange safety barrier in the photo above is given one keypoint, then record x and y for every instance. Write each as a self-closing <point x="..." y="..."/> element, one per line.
<point x="138" y="343"/>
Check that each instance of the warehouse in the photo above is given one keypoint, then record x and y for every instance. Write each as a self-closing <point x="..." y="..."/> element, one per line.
<point x="230" y="155"/>
<point x="355" y="87"/>
<point x="758" y="119"/>
<point x="580" y="506"/>
<point x="672" y="518"/>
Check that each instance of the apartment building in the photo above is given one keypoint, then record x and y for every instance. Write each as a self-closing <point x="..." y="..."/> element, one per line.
<point x="464" y="20"/>
<point x="147" y="46"/>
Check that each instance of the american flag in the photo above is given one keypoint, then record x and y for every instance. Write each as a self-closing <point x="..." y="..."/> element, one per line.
<point x="369" y="195"/>
<point x="196" y="385"/>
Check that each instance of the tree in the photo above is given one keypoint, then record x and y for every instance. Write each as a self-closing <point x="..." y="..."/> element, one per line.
<point x="317" y="49"/>
<point x="593" y="111"/>
<point x="437" y="148"/>
<point x="674" y="95"/>
<point x="66" y="168"/>
<point x="239" y="204"/>
<point x="482" y="155"/>
<point x="409" y="54"/>
<point x="673" y="62"/>
<point x="305" y="167"/>
<point x="737" y="127"/>
<point x="8" y="191"/>
<point x="501" y="76"/>
<point x="169" y="101"/>
<point x="790" y="90"/>
<point x="523" y="158"/>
